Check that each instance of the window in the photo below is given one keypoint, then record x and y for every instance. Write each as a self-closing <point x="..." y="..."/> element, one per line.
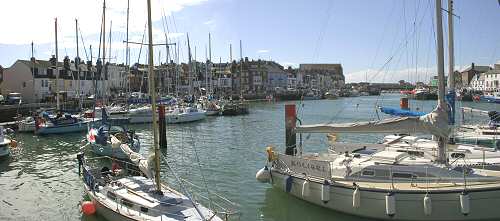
<point x="403" y="175"/>
<point x="127" y="203"/>
<point x="24" y="84"/>
<point x="111" y="195"/>
<point x="368" y="173"/>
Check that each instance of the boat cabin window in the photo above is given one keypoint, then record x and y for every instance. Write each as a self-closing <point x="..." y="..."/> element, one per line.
<point x="368" y="173"/>
<point x="111" y="195"/>
<point x="412" y="153"/>
<point x="457" y="155"/>
<point x="403" y="175"/>
<point x="127" y="203"/>
<point x="144" y="209"/>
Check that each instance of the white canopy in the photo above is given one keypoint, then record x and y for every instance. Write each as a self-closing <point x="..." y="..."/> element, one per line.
<point x="435" y="123"/>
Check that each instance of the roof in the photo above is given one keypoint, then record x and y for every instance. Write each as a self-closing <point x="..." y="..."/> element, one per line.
<point x="478" y="68"/>
<point x="320" y="66"/>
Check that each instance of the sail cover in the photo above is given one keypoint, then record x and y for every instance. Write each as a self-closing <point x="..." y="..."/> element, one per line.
<point x="401" y="112"/>
<point x="435" y="123"/>
<point x="136" y="158"/>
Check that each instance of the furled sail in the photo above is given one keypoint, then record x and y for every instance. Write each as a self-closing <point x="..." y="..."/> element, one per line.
<point x="435" y="123"/>
<point x="136" y="158"/>
<point x="401" y="112"/>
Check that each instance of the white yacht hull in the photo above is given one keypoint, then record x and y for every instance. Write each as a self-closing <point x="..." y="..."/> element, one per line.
<point x="25" y="127"/>
<point x="140" y="115"/>
<point x="409" y="205"/>
<point x="184" y="117"/>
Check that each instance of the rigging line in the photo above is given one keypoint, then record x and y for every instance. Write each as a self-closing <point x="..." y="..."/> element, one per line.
<point x="201" y="171"/>
<point x="142" y="43"/>
<point x="83" y="42"/>
<point x="386" y="25"/>
<point x="322" y="31"/>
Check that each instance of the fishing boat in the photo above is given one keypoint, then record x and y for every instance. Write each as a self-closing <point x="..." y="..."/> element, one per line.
<point x="493" y="97"/>
<point x="4" y="144"/>
<point x="120" y="194"/>
<point x="185" y="115"/>
<point x="331" y="95"/>
<point x="388" y="184"/>
<point x="232" y="108"/>
<point x="61" y="124"/>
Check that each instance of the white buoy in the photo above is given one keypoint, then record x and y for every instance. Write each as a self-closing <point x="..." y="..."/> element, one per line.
<point x="427" y="205"/>
<point x="464" y="203"/>
<point x="356" y="198"/>
<point x="305" y="188"/>
<point x="390" y="204"/>
<point x="263" y="175"/>
<point x="325" y="192"/>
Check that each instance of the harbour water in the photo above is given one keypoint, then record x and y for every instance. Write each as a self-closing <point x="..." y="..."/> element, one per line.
<point x="40" y="180"/>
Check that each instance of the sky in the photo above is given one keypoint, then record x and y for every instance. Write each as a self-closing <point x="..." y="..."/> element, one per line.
<point x="375" y="41"/>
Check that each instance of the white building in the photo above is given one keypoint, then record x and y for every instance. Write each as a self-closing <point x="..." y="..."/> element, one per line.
<point x="36" y="80"/>
<point x="492" y="79"/>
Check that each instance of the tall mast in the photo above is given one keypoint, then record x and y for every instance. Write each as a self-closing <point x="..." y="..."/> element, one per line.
<point x="77" y="63"/>
<point x="33" y="61"/>
<point x="442" y="157"/>
<point x="210" y="59"/>
<point x="189" y="66"/>
<point x="206" y="70"/>
<point x="230" y="53"/>
<point x="451" y="57"/>
<point x="153" y="100"/>
<point x="127" y="52"/>
<point x="106" y="65"/>
<point x="57" y="70"/>
<point x="241" y="66"/>
<point x="103" y="76"/>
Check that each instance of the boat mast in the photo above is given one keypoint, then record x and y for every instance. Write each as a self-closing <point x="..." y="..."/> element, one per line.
<point x="127" y="53"/>
<point x="451" y="57"/>
<point x="56" y="69"/>
<point x="189" y="67"/>
<point x="152" y="93"/>
<point x="442" y="156"/>
<point x="77" y="63"/>
<point x="103" y="76"/>
<point x="210" y="60"/>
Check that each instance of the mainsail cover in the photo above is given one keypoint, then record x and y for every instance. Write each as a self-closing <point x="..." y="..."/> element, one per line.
<point x="435" y="123"/>
<point x="136" y="158"/>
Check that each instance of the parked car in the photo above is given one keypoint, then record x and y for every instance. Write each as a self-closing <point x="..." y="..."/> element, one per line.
<point x="13" y="98"/>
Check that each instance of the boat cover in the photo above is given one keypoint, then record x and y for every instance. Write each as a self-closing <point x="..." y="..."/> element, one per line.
<point x="435" y="123"/>
<point x="401" y="112"/>
<point x="144" y="164"/>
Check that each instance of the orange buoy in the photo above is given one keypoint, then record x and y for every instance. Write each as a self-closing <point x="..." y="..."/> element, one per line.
<point x="403" y="103"/>
<point x="88" y="208"/>
<point x="13" y="143"/>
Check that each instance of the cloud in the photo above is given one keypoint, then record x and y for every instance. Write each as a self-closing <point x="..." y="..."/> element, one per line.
<point x="209" y="22"/>
<point x="262" y="51"/>
<point x="38" y="26"/>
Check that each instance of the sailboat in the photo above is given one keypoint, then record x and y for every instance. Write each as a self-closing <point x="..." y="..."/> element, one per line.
<point x="120" y="195"/>
<point x="388" y="184"/>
